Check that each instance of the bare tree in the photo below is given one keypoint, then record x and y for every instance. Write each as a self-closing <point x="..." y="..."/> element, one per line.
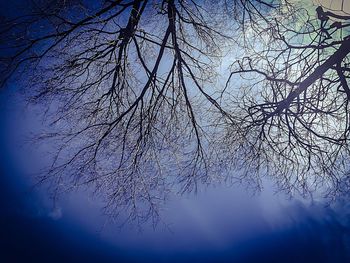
<point x="293" y="101"/>
<point x="135" y="97"/>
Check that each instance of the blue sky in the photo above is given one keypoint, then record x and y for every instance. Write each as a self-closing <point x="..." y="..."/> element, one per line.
<point x="218" y="224"/>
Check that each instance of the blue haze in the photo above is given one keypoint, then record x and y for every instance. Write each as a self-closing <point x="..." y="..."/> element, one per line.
<point x="218" y="224"/>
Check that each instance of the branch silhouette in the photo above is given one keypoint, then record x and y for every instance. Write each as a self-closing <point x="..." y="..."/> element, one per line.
<point x="140" y="101"/>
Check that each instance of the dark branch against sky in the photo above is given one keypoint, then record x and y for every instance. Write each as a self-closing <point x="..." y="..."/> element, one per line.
<point x="134" y="95"/>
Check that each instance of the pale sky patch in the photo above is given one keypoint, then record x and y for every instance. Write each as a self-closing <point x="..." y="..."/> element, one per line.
<point x="339" y="6"/>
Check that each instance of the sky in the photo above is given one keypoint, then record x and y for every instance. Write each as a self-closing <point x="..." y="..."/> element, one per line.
<point x="336" y="5"/>
<point x="218" y="224"/>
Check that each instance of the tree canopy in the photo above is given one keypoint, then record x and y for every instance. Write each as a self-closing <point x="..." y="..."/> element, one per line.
<point x="145" y="97"/>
